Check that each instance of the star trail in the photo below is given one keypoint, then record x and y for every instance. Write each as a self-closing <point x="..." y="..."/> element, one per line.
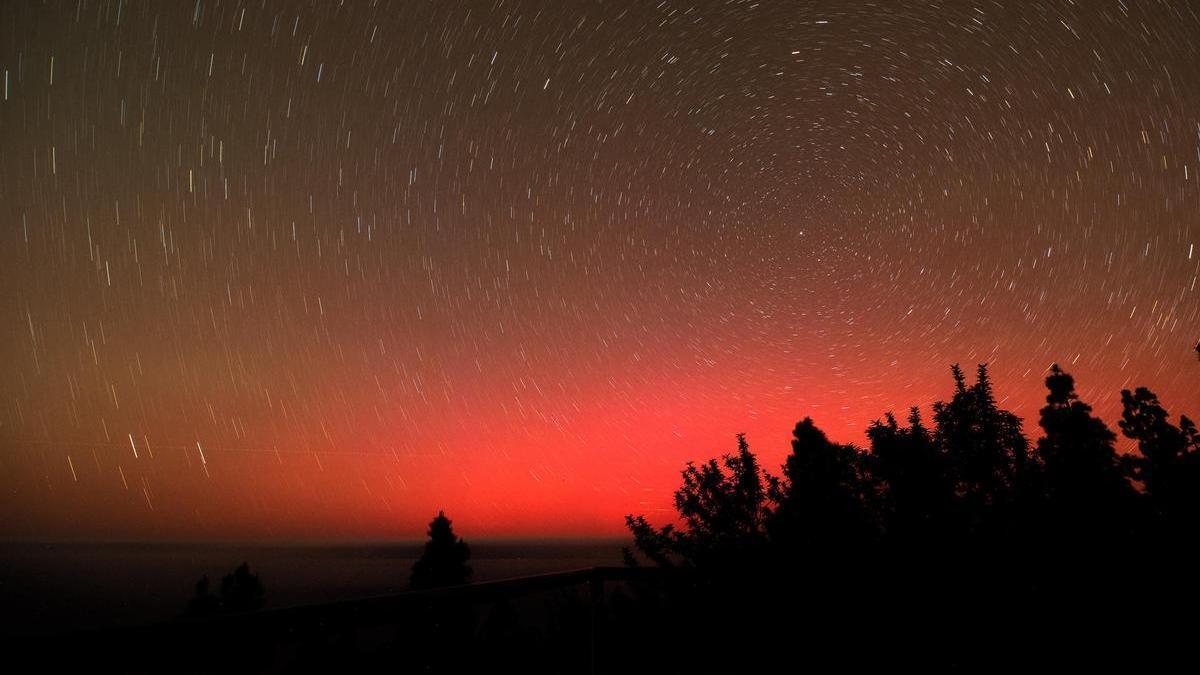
<point x="320" y="269"/>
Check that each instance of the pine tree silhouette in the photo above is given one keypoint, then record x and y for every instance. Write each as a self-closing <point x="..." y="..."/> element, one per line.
<point x="444" y="562"/>
<point x="204" y="603"/>
<point x="918" y="498"/>
<point x="241" y="591"/>
<point x="1086" y="490"/>
<point x="724" y="507"/>
<point x="1168" y="463"/>
<point x="986" y="448"/>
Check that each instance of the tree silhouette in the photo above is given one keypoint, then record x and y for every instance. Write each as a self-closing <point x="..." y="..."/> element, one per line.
<point x="724" y="508"/>
<point x="1168" y="460"/>
<point x="824" y="500"/>
<point x="959" y="543"/>
<point x="204" y="602"/>
<point x="986" y="449"/>
<point x="918" y="505"/>
<point x="444" y="562"/>
<point x="241" y="591"/>
<point x="1086" y="490"/>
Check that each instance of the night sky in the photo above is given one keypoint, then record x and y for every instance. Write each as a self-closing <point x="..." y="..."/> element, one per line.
<point x="317" y="270"/>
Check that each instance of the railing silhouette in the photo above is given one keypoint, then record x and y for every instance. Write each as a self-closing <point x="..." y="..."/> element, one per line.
<point x="276" y="628"/>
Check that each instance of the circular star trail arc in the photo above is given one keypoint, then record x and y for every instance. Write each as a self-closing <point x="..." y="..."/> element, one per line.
<point x="322" y="269"/>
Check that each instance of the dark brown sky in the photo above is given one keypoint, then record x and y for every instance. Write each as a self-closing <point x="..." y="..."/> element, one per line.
<point x="321" y="269"/>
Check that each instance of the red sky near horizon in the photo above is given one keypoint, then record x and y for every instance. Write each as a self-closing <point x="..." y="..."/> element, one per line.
<point x="319" y="272"/>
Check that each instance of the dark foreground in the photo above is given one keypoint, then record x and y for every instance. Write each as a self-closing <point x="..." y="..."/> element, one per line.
<point x="972" y="611"/>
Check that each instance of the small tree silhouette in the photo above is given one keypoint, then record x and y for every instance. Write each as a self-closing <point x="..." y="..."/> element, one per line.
<point x="241" y="591"/>
<point x="724" y="506"/>
<point x="444" y="562"/>
<point x="204" y="603"/>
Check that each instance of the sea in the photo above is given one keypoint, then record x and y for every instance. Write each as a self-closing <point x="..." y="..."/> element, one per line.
<point x="62" y="587"/>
